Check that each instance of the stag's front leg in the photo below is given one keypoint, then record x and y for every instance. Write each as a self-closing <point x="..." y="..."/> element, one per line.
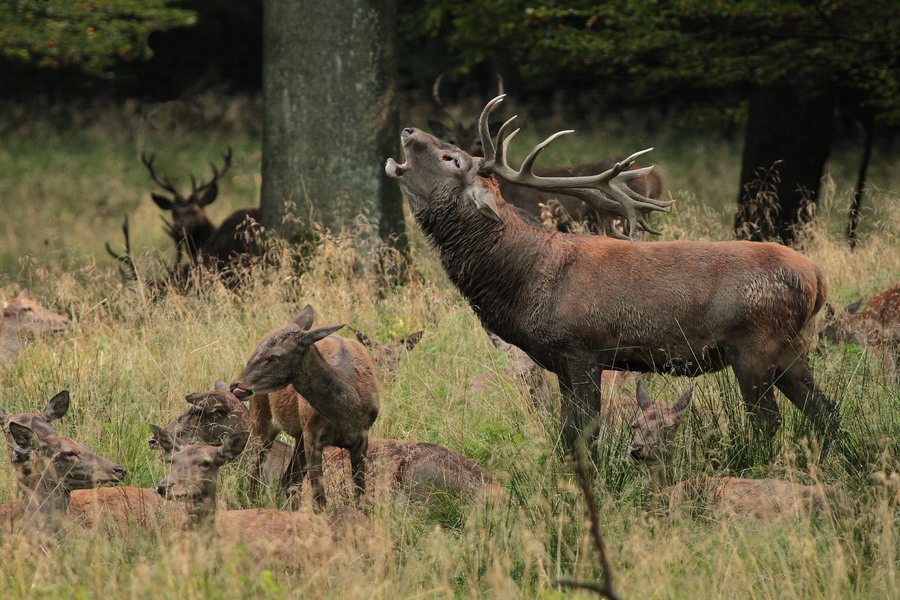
<point x="358" y="466"/>
<point x="580" y="386"/>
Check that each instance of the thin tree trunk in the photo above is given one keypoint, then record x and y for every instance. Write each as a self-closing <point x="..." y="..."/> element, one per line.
<point x="329" y="83"/>
<point x="787" y="143"/>
<point x="860" y="185"/>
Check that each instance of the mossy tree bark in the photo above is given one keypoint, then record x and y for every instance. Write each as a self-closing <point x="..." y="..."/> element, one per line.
<point x="329" y="83"/>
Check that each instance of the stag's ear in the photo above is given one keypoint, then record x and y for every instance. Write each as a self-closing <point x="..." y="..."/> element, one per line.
<point x="42" y="428"/>
<point x="166" y="440"/>
<point x="161" y="201"/>
<point x="23" y="294"/>
<point x="304" y="320"/>
<point x="440" y="130"/>
<point x="314" y="335"/>
<point x="643" y="396"/>
<point x="484" y="197"/>
<point x="209" y="196"/>
<point x="25" y="437"/>
<point x="854" y="308"/>
<point x="684" y="400"/>
<point x="232" y="446"/>
<point x="411" y="340"/>
<point x="57" y="407"/>
<point x="221" y="386"/>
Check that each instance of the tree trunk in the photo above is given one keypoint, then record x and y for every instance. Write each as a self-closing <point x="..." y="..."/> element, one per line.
<point x="787" y="142"/>
<point x="329" y="83"/>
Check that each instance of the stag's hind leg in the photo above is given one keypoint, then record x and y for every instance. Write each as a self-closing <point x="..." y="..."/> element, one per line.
<point x="796" y="381"/>
<point x="755" y="374"/>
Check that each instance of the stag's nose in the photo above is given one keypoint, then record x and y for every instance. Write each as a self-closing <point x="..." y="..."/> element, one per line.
<point x="406" y="133"/>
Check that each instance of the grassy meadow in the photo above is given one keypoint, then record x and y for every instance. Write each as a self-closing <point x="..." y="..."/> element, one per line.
<point x="65" y="185"/>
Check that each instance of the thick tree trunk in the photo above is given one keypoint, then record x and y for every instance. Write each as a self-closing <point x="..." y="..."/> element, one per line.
<point x="329" y="83"/>
<point x="787" y="143"/>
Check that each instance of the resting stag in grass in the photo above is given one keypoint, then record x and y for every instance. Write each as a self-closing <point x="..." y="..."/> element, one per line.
<point x="578" y="304"/>
<point x="191" y="229"/>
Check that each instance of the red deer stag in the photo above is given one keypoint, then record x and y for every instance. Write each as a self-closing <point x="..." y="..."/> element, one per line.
<point x="876" y="327"/>
<point x="191" y="229"/>
<point x="332" y="399"/>
<point x="578" y="304"/>
<point x="568" y="213"/>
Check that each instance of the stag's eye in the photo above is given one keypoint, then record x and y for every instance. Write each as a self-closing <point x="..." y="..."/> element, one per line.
<point x="71" y="454"/>
<point x="449" y="158"/>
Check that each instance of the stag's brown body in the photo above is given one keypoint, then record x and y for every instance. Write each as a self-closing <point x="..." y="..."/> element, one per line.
<point x="579" y="303"/>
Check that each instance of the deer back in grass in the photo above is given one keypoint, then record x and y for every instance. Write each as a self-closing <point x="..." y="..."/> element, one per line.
<point x="49" y="467"/>
<point x="654" y="445"/>
<point x="25" y="320"/>
<point x="579" y="304"/>
<point x="193" y="479"/>
<point x="877" y="327"/>
<point x="322" y="390"/>
<point x="191" y="229"/>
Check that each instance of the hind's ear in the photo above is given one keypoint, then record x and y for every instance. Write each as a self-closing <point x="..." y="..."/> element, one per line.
<point x="643" y="396"/>
<point x="233" y="445"/>
<point x="57" y="407"/>
<point x="314" y="335"/>
<point x="411" y="340"/>
<point x="304" y="319"/>
<point x="221" y="386"/>
<point x="684" y="400"/>
<point x="25" y="437"/>
<point x="23" y="294"/>
<point x="854" y="308"/>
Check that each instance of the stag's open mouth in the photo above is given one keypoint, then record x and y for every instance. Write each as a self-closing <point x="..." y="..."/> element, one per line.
<point x="395" y="170"/>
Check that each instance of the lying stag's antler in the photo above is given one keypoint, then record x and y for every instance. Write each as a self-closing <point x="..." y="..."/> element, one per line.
<point x="217" y="175"/>
<point x="605" y="192"/>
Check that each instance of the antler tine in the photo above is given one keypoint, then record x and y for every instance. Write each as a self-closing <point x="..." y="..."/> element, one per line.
<point x="536" y="151"/>
<point x="125" y="259"/>
<point x="217" y="175"/>
<point x="163" y="183"/>
<point x="484" y="132"/>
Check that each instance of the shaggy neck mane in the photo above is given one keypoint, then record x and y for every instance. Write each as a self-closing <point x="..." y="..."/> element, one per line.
<point x="488" y="261"/>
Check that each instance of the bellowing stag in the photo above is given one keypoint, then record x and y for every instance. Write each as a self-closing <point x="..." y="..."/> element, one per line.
<point x="578" y="304"/>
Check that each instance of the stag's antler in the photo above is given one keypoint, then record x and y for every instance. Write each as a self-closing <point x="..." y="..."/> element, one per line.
<point x="606" y="192"/>
<point x="217" y="175"/>
<point x="130" y="274"/>
<point x="163" y="183"/>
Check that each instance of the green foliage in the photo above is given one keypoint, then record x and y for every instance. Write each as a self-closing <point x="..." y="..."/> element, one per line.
<point x="671" y="45"/>
<point x="92" y="36"/>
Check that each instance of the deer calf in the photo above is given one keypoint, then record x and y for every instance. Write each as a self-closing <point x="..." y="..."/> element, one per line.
<point x="332" y="401"/>
<point x="654" y="446"/>
<point x="24" y="320"/>
<point x="876" y="327"/>
<point x="193" y="480"/>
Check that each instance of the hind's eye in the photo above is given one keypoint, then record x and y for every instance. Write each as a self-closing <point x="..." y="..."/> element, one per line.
<point x="71" y="454"/>
<point x="205" y="464"/>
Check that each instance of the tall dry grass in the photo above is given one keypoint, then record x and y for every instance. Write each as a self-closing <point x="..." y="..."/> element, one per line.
<point x="131" y="359"/>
